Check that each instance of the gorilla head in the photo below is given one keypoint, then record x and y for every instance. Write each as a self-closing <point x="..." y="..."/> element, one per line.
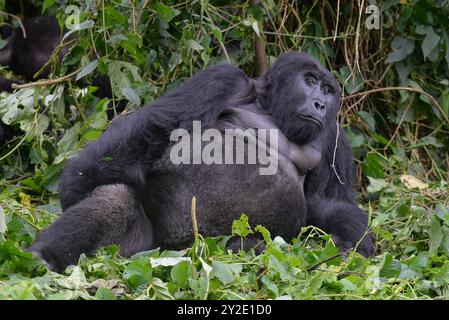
<point x="302" y="96"/>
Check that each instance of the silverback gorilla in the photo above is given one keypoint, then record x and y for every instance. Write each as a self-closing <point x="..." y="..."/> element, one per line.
<point x="124" y="188"/>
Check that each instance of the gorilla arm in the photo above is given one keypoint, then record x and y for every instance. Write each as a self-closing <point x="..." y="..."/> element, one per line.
<point x="126" y="152"/>
<point x="305" y="157"/>
<point x="330" y="201"/>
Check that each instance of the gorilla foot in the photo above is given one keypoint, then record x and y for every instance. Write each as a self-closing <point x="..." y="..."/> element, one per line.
<point x="112" y="214"/>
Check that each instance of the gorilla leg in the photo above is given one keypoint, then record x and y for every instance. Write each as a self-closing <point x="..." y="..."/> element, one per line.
<point x="112" y="214"/>
<point x="344" y="220"/>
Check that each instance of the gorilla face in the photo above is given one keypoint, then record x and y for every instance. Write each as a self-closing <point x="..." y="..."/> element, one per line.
<point x="302" y="97"/>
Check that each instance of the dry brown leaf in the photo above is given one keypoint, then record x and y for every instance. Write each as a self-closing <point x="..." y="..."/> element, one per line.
<point x="411" y="182"/>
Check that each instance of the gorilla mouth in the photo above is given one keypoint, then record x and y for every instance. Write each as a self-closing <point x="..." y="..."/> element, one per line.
<point x="310" y="118"/>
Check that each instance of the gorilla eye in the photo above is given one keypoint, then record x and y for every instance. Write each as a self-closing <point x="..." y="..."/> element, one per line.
<point x="310" y="80"/>
<point x="326" y="89"/>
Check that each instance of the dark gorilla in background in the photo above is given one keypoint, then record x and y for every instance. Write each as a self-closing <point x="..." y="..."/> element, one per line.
<point x="26" y="55"/>
<point x="124" y="189"/>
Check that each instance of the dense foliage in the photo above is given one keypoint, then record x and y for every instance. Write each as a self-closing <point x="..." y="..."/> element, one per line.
<point x="395" y="110"/>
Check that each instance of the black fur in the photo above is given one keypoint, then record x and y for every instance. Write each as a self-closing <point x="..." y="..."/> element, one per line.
<point x="27" y="55"/>
<point x="126" y="152"/>
<point x="132" y="158"/>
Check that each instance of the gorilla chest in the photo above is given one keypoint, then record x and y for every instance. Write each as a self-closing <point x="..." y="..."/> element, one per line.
<point x="272" y="197"/>
<point x="222" y="194"/>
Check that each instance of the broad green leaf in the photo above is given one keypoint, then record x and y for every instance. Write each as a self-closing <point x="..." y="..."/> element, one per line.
<point x="217" y="33"/>
<point x="443" y="273"/>
<point x="105" y="294"/>
<point x="194" y="45"/>
<point x="47" y="4"/>
<point x="87" y="70"/>
<point x="376" y="185"/>
<point x="81" y="26"/>
<point x="369" y="119"/>
<point x="255" y="26"/>
<point x="180" y="273"/>
<point x="430" y="42"/>
<point x="373" y="166"/>
<point x="436" y="235"/>
<point x="167" y="262"/>
<point x="351" y="84"/>
<point x="270" y="285"/>
<point x="166" y="13"/>
<point x="402" y="47"/>
<point x="131" y="95"/>
<point x="241" y="227"/>
<point x="265" y="233"/>
<point x="138" y="273"/>
<point x="158" y="290"/>
<point x="2" y="221"/>
<point x="390" y="268"/>
<point x="226" y="272"/>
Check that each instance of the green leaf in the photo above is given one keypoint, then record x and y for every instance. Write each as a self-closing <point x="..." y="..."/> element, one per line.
<point x="82" y="26"/>
<point x="194" y="45"/>
<point x="373" y="166"/>
<point x="226" y="272"/>
<point x="369" y="119"/>
<point x="443" y="274"/>
<point x="376" y="185"/>
<point x="443" y="213"/>
<point x="166" y="13"/>
<point x="47" y="4"/>
<point x="430" y="42"/>
<point x="356" y="140"/>
<point x="255" y="26"/>
<point x="351" y="84"/>
<point x="168" y="262"/>
<point x="180" y="273"/>
<point x="402" y="47"/>
<point x="265" y="233"/>
<point x="271" y="286"/>
<point x="131" y="95"/>
<point x="436" y="235"/>
<point x="159" y="290"/>
<point x="2" y="221"/>
<point x="138" y="273"/>
<point x="241" y="227"/>
<point x="87" y="70"/>
<point x="217" y="33"/>
<point x="105" y="294"/>
<point x="390" y="268"/>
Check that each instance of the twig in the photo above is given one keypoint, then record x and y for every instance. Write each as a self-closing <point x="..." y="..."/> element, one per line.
<point x="400" y="123"/>
<point x="44" y="83"/>
<point x="319" y="263"/>
<point x="335" y="154"/>
<point x="194" y="223"/>
<point x="357" y="38"/>
<point x="338" y="19"/>
<point x="260" y="63"/>
<point x="410" y="89"/>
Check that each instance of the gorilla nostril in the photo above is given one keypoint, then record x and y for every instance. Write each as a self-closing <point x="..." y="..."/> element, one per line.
<point x="318" y="105"/>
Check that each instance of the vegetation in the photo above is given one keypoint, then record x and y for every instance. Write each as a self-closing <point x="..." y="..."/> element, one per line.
<point x="395" y="110"/>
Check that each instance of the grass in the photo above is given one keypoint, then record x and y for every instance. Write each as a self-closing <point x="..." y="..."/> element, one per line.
<point x="411" y="226"/>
